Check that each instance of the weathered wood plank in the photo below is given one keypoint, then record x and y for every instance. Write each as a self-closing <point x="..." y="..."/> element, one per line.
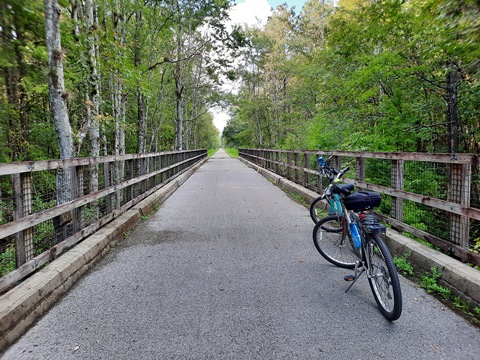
<point x="37" y="218"/>
<point x="30" y="166"/>
<point x="453" y="250"/>
<point x="426" y="200"/>
<point x="461" y="158"/>
<point x="397" y="184"/>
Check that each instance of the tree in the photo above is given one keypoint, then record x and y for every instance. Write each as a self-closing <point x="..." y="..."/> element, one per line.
<point x="21" y="63"/>
<point x="66" y="179"/>
<point x="58" y="94"/>
<point x="188" y="16"/>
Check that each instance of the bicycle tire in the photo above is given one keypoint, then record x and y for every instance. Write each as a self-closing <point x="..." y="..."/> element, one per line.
<point x="317" y="210"/>
<point x="314" y="210"/>
<point x="383" y="278"/>
<point x="333" y="243"/>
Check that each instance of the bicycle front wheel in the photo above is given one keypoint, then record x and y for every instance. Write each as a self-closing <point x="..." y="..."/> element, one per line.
<point x="333" y="243"/>
<point x="383" y="278"/>
<point x="317" y="210"/>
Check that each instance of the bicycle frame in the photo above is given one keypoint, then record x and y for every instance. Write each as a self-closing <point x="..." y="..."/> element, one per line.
<point x="363" y="264"/>
<point x="334" y="202"/>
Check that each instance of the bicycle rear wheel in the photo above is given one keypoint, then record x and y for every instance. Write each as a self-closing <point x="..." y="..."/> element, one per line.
<point x="383" y="278"/>
<point x="333" y="243"/>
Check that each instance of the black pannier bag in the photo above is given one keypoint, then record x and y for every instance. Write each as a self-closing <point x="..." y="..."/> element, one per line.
<point x="362" y="200"/>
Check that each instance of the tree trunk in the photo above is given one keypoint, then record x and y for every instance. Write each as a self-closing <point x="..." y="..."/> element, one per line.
<point x="155" y="128"/>
<point x="119" y="99"/>
<point x="66" y="184"/>
<point x="452" y="108"/>
<point x="142" y="121"/>
<point x="94" y="94"/>
<point x="179" y="88"/>
<point x="12" y="35"/>
<point x="179" y="106"/>
<point x="58" y="95"/>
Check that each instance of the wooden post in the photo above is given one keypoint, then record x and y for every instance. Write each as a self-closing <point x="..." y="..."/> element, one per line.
<point x="18" y="214"/>
<point x="177" y="160"/>
<point x="142" y="171"/>
<point x="162" y="165"/>
<point x="155" y="167"/>
<point x="361" y="169"/>
<point x="22" y="191"/>
<point x="131" y="191"/>
<point x="398" y="172"/>
<point x="289" y="161"/>
<point x="295" y="154"/>
<point x="336" y="161"/>
<point x="306" y="174"/>
<point x="277" y="170"/>
<point x="108" y="198"/>
<point x="77" y="214"/>
<point x="460" y="183"/>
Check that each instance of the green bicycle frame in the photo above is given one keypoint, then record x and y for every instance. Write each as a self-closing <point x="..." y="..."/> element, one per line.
<point x="336" y="205"/>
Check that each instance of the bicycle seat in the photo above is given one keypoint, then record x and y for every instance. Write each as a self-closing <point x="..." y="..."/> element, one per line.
<point x="344" y="189"/>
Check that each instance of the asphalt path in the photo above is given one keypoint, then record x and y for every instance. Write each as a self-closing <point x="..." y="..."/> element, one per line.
<point x="226" y="269"/>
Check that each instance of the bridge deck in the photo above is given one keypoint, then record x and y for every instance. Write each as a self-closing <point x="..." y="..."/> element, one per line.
<point x="226" y="269"/>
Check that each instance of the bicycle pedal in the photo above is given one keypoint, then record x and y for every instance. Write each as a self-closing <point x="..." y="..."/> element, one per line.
<point x="349" y="278"/>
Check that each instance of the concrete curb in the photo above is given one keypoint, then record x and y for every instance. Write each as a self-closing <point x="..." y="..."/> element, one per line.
<point x="22" y="306"/>
<point x="461" y="279"/>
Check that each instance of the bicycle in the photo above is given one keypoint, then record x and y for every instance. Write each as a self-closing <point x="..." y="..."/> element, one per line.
<point x="317" y="207"/>
<point x="352" y="238"/>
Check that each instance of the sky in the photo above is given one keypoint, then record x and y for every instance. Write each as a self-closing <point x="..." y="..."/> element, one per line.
<point x="251" y="12"/>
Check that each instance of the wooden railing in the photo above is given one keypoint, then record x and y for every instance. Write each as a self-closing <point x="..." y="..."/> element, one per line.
<point x="441" y="187"/>
<point x="38" y="226"/>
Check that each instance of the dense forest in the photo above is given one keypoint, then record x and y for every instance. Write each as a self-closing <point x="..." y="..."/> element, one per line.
<point x="393" y="75"/>
<point x="141" y="76"/>
<point x="133" y="76"/>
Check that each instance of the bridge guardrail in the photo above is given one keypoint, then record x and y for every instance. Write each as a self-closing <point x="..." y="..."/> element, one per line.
<point x="434" y="197"/>
<point x="36" y="226"/>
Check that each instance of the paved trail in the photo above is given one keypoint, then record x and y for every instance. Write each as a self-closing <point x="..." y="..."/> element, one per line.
<point x="226" y="269"/>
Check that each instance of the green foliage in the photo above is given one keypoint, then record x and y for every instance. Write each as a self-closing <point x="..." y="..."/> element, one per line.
<point x="136" y="55"/>
<point x="429" y="282"/>
<point x="208" y="136"/>
<point x="476" y="246"/>
<point x="373" y="81"/>
<point x="7" y="260"/>
<point x="211" y="152"/>
<point x="237" y="133"/>
<point x="231" y="152"/>
<point x="6" y="210"/>
<point x="404" y="265"/>
<point x="359" y="76"/>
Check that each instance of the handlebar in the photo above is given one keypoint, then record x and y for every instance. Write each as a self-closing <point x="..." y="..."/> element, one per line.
<point x="342" y="172"/>
<point x="335" y="179"/>
<point x="329" y="171"/>
<point x="326" y="169"/>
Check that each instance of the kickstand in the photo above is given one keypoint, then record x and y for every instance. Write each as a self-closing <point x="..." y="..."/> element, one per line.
<point x="354" y="278"/>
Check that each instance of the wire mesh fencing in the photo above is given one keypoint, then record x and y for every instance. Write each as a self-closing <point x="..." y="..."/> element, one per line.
<point x="46" y="207"/>
<point x="433" y="197"/>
